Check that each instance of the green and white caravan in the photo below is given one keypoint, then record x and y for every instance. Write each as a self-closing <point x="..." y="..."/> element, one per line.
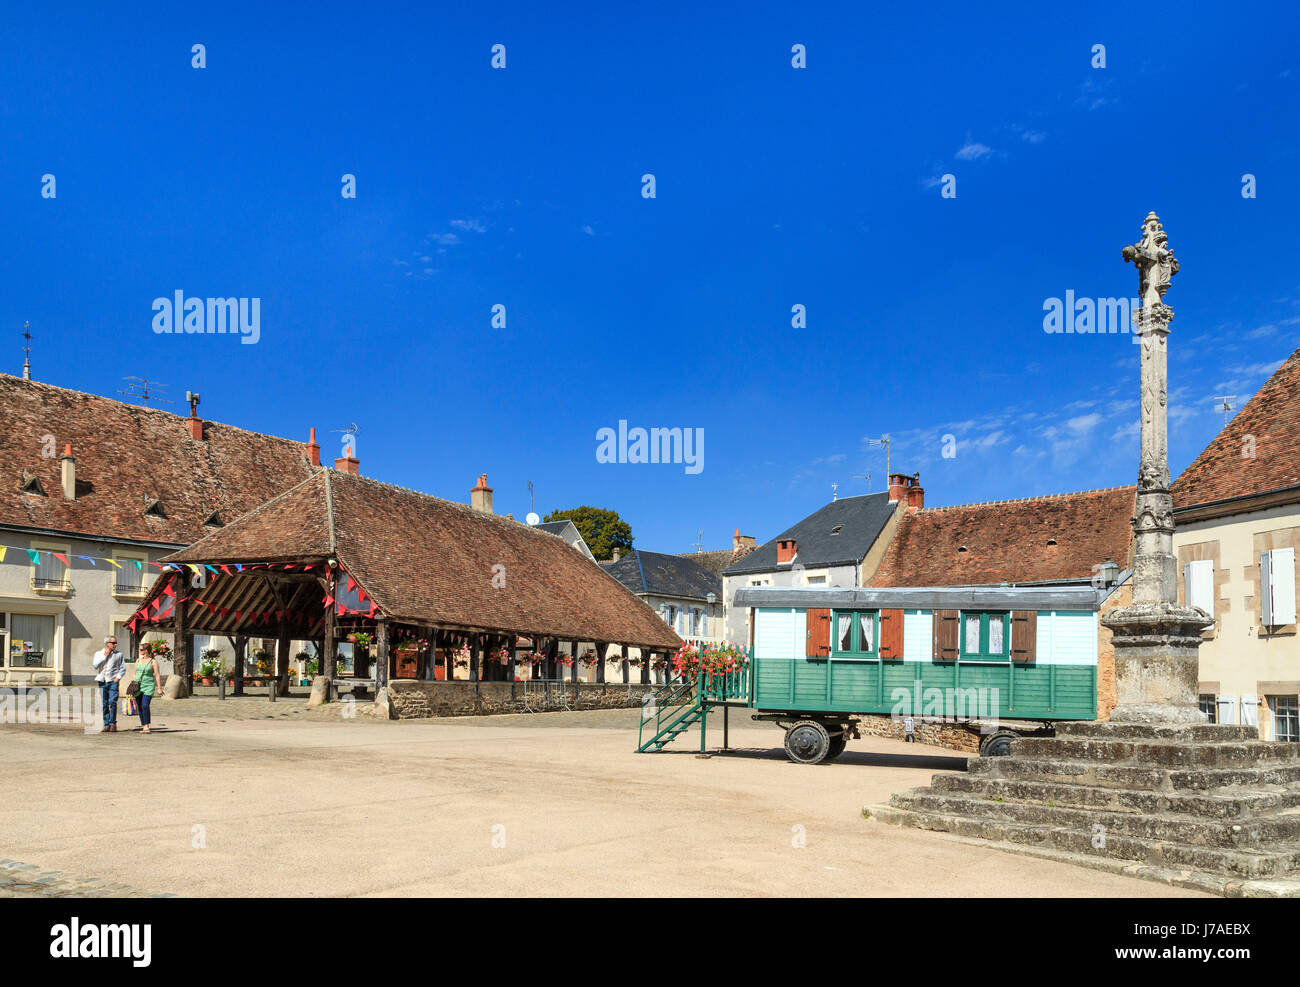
<point x="1000" y="660"/>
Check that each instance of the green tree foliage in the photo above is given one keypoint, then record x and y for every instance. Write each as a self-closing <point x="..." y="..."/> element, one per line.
<point x="602" y="530"/>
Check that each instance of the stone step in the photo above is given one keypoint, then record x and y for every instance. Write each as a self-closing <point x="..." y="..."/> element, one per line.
<point x="1235" y="754"/>
<point x="1226" y="803"/>
<point x="1276" y="861"/>
<point x="1162" y="827"/>
<point x="1102" y="730"/>
<point x="1134" y="777"/>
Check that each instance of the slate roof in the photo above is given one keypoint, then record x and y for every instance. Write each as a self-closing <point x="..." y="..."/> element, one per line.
<point x="1008" y="540"/>
<point x="717" y="562"/>
<point x="126" y="456"/>
<point x="552" y="527"/>
<point x="861" y="518"/>
<point x="664" y="575"/>
<point x="1272" y="418"/>
<point x="431" y="561"/>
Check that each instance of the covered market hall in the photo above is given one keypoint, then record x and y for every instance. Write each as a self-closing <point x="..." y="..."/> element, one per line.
<point x="423" y="585"/>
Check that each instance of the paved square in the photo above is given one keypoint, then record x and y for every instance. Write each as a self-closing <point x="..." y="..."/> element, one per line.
<point x="311" y="803"/>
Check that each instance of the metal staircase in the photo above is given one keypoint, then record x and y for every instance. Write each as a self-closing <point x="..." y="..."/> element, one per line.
<point x="676" y="707"/>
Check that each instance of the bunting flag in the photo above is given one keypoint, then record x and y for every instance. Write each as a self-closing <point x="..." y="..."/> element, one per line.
<point x="113" y="562"/>
<point x="88" y="559"/>
<point x="35" y="556"/>
<point x="352" y="583"/>
<point x="3" y="549"/>
<point x="61" y="557"/>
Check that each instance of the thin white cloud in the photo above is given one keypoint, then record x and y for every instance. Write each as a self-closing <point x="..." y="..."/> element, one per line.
<point x="469" y="225"/>
<point x="973" y="151"/>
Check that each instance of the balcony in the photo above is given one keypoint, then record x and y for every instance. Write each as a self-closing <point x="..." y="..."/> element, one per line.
<point x="51" y="585"/>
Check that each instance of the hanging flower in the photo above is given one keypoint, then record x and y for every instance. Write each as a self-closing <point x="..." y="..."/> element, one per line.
<point x="501" y="656"/>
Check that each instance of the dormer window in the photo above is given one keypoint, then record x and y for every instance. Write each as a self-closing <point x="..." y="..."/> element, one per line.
<point x="962" y="549"/>
<point x="154" y="508"/>
<point x="837" y="529"/>
<point x="1051" y="541"/>
<point x="214" y="520"/>
<point x="32" y="485"/>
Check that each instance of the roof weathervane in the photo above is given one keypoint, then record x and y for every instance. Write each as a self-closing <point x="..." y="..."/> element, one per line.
<point x="27" y="350"/>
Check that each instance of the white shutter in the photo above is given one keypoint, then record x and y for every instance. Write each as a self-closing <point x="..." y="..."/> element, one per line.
<point x="1265" y="588"/>
<point x="1249" y="711"/>
<point x="1227" y="709"/>
<point x="1281" y="571"/>
<point x="779" y="634"/>
<point x="1198" y="585"/>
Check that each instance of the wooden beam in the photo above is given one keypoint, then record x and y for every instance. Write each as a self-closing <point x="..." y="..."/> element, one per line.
<point x="381" y="658"/>
<point x="329" y="663"/>
<point x="180" y="644"/>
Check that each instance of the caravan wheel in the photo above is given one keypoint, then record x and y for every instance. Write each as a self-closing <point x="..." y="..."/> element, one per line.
<point x="807" y="742"/>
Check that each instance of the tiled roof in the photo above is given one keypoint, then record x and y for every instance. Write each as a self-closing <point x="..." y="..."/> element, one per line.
<point x="859" y="521"/>
<point x="1272" y="419"/>
<point x="717" y="561"/>
<point x="432" y="561"/>
<point x="1009" y="540"/>
<point x="127" y="456"/>
<point x="664" y="575"/>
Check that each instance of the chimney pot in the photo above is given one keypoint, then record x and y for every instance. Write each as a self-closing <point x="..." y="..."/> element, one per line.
<point x="915" y="496"/>
<point x="313" y="449"/>
<point x="739" y="541"/>
<point x="348" y="464"/>
<point x="897" y="487"/>
<point x="196" y="428"/>
<point x="480" y="496"/>
<point x="786" y="549"/>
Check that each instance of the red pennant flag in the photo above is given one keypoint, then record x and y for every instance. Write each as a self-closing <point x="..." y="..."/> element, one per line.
<point x="168" y="590"/>
<point x="352" y="584"/>
<point x="307" y="568"/>
<point x="362" y="594"/>
<point x="327" y="601"/>
<point x="239" y="615"/>
<point x="61" y="557"/>
<point x="342" y="609"/>
<point x="156" y="566"/>
<point x="224" y="611"/>
<point x="373" y="607"/>
<point x="157" y="603"/>
<point x="226" y="570"/>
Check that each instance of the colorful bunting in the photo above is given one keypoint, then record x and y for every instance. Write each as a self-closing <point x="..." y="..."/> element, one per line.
<point x="35" y="556"/>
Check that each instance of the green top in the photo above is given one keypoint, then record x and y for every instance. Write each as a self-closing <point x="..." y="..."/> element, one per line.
<point x="144" y="675"/>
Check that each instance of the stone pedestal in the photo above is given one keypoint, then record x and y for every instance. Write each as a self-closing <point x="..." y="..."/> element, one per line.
<point x="1157" y="670"/>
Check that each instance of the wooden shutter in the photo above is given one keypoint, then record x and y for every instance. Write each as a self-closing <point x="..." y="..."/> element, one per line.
<point x="946" y="635"/>
<point x="819" y="633"/>
<point x="891" y="633"/>
<point x="1024" y="635"/>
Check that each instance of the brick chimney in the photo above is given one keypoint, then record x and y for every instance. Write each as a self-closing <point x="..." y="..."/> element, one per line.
<point x="480" y="497"/>
<point x="785" y="550"/>
<point x="739" y="541"/>
<point x="69" y="474"/>
<point x="897" y="487"/>
<point x="313" y="450"/>
<point x="196" y="427"/>
<point x="915" y="493"/>
<point x="348" y="464"/>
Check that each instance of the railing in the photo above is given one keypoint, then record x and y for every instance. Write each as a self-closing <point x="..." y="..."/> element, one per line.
<point x="671" y="703"/>
<point x="726" y="685"/>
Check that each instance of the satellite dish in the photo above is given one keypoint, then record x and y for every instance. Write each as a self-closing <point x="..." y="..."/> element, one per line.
<point x="532" y="518"/>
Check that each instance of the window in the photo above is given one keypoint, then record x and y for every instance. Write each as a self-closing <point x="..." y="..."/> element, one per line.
<point x="697" y="622"/>
<point x="670" y="616"/>
<point x="49" y="572"/>
<point x="1286" y="717"/>
<point x="1209" y="707"/>
<point x="1277" y="587"/>
<point x="985" y="636"/>
<point x="856" y="633"/>
<point x="1198" y="585"/>
<point x="816" y="580"/>
<point x="31" y="641"/>
<point x="129" y="579"/>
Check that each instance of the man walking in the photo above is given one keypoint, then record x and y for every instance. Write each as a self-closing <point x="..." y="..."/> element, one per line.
<point x="110" y="666"/>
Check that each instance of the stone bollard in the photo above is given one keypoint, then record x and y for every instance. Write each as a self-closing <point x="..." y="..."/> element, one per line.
<point x="272" y="687"/>
<point x="173" y="689"/>
<point x="320" y="691"/>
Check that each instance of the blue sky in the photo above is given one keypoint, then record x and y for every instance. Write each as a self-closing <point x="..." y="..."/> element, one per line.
<point x="775" y="187"/>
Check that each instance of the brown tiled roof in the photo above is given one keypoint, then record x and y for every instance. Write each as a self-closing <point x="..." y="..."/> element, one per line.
<point x="1272" y="417"/>
<point x="127" y="456"/>
<point x="1008" y="540"/>
<point x="715" y="562"/>
<point x="430" y="561"/>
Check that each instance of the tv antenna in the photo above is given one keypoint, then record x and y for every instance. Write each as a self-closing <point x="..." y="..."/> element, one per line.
<point x="1226" y="406"/>
<point x="882" y="441"/>
<point x="144" y="389"/>
<point x="530" y="497"/>
<point x="27" y="351"/>
<point x="699" y="541"/>
<point x="349" y="439"/>
<point x="864" y="476"/>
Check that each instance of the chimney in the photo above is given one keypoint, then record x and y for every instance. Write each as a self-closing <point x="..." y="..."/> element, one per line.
<point x="480" y="497"/>
<point x="739" y="541"/>
<point x="69" y="474"/>
<point x="348" y="464"/>
<point x="897" y="487"/>
<point x="617" y="555"/>
<point x="194" y="421"/>
<point x="785" y="550"/>
<point x="313" y="450"/>
<point x="915" y="493"/>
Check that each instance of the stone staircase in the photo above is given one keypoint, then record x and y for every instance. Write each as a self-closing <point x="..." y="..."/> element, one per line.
<point x="1202" y="806"/>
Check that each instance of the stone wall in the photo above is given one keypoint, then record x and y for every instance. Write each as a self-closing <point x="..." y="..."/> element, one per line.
<point x="953" y="736"/>
<point x="408" y="699"/>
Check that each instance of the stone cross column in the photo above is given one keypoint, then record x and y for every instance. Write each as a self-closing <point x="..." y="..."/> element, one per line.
<point x="1157" y="642"/>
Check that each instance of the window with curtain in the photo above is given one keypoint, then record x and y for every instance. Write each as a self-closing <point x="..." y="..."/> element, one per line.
<point x="866" y="632"/>
<point x="855" y="633"/>
<point x="844" y="631"/>
<point x="31" y="640"/>
<point x="129" y="578"/>
<point x="985" y="636"/>
<point x="50" y="571"/>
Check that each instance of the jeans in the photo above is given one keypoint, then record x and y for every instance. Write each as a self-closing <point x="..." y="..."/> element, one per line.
<point x="109" y="695"/>
<point x="144" y="708"/>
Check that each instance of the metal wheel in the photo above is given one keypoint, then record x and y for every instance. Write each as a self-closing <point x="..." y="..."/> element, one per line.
<point x="998" y="745"/>
<point x="838" y="742"/>
<point x="807" y="742"/>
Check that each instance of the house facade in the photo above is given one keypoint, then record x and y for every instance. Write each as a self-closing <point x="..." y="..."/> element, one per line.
<point x="96" y="493"/>
<point x="686" y="595"/>
<point x="839" y="545"/>
<point x="1237" y="531"/>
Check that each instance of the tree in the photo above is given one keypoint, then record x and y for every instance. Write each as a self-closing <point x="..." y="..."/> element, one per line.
<point x="602" y="530"/>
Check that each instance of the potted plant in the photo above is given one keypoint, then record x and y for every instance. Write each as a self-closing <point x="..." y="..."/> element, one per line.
<point x="261" y="665"/>
<point x="406" y="654"/>
<point x="211" y="667"/>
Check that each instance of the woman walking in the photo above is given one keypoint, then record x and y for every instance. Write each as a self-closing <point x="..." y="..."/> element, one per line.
<point x="148" y="677"/>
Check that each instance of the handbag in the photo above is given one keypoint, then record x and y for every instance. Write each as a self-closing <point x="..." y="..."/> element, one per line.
<point x="133" y="687"/>
<point x="132" y="706"/>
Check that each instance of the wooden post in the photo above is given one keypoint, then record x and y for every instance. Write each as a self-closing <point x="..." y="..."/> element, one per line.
<point x="601" y="648"/>
<point x="474" y="649"/>
<point x="573" y="668"/>
<point x="645" y="666"/>
<point x="180" y="644"/>
<point x="282" y="654"/>
<point x="514" y="658"/>
<point x="241" y="649"/>
<point x="381" y="659"/>
<point x="329" y="662"/>
<point x="624" y="666"/>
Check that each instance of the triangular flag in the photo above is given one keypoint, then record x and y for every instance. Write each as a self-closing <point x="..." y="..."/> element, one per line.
<point x="239" y="615"/>
<point x="35" y="555"/>
<point x="3" y="549"/>
<point x="88" y="559"/>
<point x="115" y="565"/>
<point x="238" y="567"/>
<point x="342" y="609"/>
<point x="61" y="557"/>
<point x="327" y="601"/>
<point x="168" y="590"/>
<point x="307" y="567"/>
<point x="373" y="607"/>
<point x="226" y="570"/>
<point x="352" y="584"/>
<point x="362" y="594"/>
<point x="209" y="568"/>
